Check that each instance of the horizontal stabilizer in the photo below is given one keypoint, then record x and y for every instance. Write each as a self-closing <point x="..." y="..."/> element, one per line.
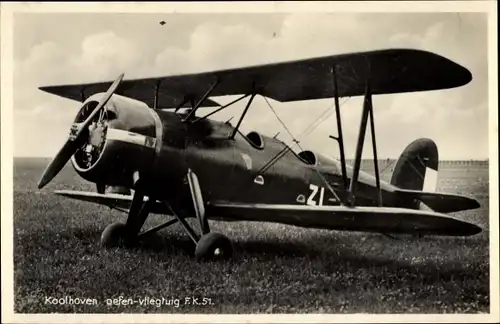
<point x="441" y="202"/>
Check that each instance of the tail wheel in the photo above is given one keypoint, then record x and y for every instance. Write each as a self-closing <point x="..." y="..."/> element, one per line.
<point x="213" y="246"/>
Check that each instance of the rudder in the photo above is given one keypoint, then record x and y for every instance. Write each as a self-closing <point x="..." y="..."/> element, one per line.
<point x="417" y="167"/>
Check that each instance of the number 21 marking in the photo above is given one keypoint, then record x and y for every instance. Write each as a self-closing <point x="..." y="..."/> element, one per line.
<point x="310" y="200"/>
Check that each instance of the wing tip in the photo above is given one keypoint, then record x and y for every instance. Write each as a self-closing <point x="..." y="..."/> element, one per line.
<point x="475" y="204"/>
<point x="453" y="75"/>
<point x="44" y="88"/>
<point x="464" y="76"/>
<point x="452" y="71"/>
<point x="470" y="229"/>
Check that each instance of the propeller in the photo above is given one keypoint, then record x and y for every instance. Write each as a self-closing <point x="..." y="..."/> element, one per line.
<point x="74" y="141"/>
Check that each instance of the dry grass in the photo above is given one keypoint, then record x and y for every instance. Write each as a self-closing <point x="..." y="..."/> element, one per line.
<point x="277" y="268"/>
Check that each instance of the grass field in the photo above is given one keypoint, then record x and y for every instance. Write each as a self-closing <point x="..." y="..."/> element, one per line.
<point x="276" y="269"/>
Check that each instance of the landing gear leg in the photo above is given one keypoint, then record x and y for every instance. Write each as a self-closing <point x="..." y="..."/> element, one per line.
<point x="119" y="234"/>
<point x="211" y="245"/>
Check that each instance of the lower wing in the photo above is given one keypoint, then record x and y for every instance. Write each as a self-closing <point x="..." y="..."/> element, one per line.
<point x="366" y="219"/>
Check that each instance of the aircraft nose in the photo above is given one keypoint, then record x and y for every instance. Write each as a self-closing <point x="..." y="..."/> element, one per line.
<point x="129" y="141"/>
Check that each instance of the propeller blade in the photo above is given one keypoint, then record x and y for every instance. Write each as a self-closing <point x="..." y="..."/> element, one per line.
<point x="64" y="154"/>
<point x="101" y="104"/>
<point x="74" y="142"/>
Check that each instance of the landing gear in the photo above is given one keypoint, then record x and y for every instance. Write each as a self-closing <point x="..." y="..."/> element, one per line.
<point x="213" y="246"/>
<point x="119" y="234"/>
<point x="209" y="246"/>
<point x="114" y="235"/>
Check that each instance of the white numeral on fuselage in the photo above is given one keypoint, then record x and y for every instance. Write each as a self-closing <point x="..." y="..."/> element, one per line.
<point x="310" y="200"/>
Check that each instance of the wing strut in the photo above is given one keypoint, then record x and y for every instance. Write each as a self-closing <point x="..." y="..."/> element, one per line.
<point x="205" y="96"/>
<point x="157" y="89"/>
<point x="179" y="106"/>
<point x="367" y="112"/>
<point x="242" y="116"/>
<point x="82" y="94"/>
<point x="374" y="148"/>
<point x="339" y="138"/>
<point x="221" y="108"/>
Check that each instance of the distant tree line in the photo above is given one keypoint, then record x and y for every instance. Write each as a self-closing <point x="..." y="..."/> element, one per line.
<point x="385" y="162"/>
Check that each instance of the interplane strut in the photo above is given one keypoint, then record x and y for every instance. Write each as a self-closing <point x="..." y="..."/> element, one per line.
<point x="339" y="138"/>
<point x="367" y="113"/>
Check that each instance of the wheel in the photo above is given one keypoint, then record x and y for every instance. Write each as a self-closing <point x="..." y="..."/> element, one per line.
<point x="114" y="235"/>
<point x="213" y="246"/>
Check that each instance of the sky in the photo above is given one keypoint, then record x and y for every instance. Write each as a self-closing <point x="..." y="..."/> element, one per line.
<point x="58" y="48"/>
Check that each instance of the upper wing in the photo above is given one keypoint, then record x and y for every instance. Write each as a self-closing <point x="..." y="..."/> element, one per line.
<point x="387" y="71"/>
<point x="369" y="219"/>
<point x="140" y="89"/>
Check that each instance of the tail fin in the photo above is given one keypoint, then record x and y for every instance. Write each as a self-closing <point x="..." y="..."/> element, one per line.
<point x="417" y="167"/>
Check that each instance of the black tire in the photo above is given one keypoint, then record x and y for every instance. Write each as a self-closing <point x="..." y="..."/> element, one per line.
<point x="114" y="235"/>
<point x="213" y="246"/>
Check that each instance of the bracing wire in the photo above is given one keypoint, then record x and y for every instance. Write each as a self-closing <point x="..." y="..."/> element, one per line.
<point x="279" y="119"/>
<point x="311" y="127"/>
<point x="387" y="167"/>
<point x="298" y="144"/>
<point x="325" y="114"/>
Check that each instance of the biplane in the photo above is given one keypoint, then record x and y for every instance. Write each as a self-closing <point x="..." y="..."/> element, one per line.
<point x="148" y="150"/>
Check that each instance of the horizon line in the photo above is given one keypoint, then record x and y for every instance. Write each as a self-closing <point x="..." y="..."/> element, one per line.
<point x="365" y="159"/>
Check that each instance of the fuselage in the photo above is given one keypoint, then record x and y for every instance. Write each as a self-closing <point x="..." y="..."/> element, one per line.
<point x="136" y="147"/>
<point x="161" y="146"/>
<point x="258" y="168"/>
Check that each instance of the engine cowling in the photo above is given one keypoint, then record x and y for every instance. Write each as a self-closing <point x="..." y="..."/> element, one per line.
<point x="119" y="143"/>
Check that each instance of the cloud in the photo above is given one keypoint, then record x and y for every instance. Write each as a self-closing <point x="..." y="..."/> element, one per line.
<point x="105" y="54"/>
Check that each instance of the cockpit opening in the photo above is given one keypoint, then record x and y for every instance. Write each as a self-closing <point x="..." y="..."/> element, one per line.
<point x="308" y="157"/>
<point x="255" y="139"/>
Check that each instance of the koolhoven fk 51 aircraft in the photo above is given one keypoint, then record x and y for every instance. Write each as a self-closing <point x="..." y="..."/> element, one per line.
<point x="143" y="145"/>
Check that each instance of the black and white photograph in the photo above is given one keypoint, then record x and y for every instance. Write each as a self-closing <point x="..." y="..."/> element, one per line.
<point x="328" y="160"/>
